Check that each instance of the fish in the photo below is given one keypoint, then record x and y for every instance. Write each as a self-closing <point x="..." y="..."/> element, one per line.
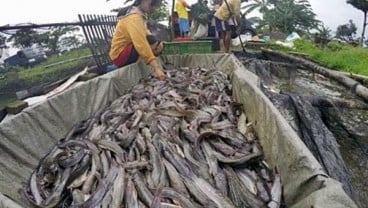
<point x="178" y="143"/>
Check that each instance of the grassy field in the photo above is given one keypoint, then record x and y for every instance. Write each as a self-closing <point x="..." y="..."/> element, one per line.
<point x="53" y="69"/>
<point x="25" y="77"/>
<point x="342" y="57"/>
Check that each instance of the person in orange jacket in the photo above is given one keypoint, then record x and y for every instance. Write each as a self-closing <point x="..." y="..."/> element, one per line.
<point x="132" y="40"/>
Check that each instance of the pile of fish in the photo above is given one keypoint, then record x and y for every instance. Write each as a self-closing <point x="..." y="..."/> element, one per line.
<point x="182" y="142"/>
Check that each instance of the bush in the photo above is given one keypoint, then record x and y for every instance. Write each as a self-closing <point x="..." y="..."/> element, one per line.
<point x="335" y="46"/>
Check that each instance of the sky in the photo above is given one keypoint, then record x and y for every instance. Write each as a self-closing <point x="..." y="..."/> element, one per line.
<point x="331" y="12"/>
<point x="337" y="12"/>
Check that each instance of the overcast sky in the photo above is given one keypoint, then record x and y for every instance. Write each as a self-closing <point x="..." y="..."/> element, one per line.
<point x="331" y="12"/>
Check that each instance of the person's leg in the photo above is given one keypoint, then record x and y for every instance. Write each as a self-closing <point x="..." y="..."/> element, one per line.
<point x="181" y="26"/>
<point x="227" y="41"/>
<point x="220" y="28"/>
<point x="227" y="37"/>
<point x="186" y="27"/>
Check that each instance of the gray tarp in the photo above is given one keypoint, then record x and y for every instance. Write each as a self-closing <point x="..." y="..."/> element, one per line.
<point x="27" y="136"/>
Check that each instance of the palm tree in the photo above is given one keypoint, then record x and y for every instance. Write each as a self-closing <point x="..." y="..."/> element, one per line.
<point x="261" y="5"/>
<point x="290" y="15"/>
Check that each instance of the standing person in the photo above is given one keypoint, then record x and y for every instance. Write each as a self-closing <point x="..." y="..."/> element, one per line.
<point x="229" y="16"/>
<point x="181" y="8"/>
<point x="132" y="40"/>
<point x="201" y="18"/>
<point x="218" y="22"/>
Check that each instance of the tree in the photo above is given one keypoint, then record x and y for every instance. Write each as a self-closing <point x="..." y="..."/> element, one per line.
<point x="2" y="41"/>
<point x="70" y="42"/>
<point x="160" y="13"/>
<point x="51" y="38"/>
<point x="363" y="6"/>
<point x="346" y="31"/>
<point x="323" y="31"/>
<point x="261" y="5"/>
<point x="27" y="37"/>
<point x="23" y="38"/>
<point x="291" y="15"/>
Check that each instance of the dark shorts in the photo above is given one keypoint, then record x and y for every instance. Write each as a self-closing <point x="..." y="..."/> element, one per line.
<point x="222" y="26"/>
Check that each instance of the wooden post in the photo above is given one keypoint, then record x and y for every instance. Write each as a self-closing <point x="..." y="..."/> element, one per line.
<point x="171" y="22"/>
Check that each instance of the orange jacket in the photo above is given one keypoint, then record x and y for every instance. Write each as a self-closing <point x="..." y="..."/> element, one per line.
<point x="132" y="29"/>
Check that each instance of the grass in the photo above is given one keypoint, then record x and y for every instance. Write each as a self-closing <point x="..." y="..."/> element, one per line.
<point x="39" y="74"/>
<point x="18" y="78"/>
<point x="336" y="56"/>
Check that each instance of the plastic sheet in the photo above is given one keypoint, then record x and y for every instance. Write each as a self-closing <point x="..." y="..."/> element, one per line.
<point x="28" y="136"/>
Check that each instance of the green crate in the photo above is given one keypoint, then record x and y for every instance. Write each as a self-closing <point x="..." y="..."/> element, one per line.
<point x="187" y="47"/>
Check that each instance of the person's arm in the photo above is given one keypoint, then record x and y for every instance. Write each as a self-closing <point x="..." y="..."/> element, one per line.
<point x="185" y="4"/>
<point x="156" y="69"/>
<point x="137" y="32"/>
<point x="138" y="35"/>
<point x="236" y="12"/>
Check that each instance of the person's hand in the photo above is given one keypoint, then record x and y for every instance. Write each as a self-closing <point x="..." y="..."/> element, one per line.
<point x="158" y="73"/>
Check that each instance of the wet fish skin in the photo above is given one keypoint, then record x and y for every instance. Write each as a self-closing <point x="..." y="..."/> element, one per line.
<point x="131" y="196"/>
<point x="221" y="182"/>
<point x="144" y="193"/>
<point x="56" y="195"/>
<point x="141" y="144"/>
<point x="175" y="179"/>
<point x="153" y="152"/>
<point x="197" y="193"/>
<point x="254" y="156"/>
<point x="239" y="194"/>
<point x="157" y="165"/>
<point x="126" y="140"/>
<point x="34" y="188"/>
<point x="216" y="196"/>
<point x="211" y="159"/>
<point x="78" y="197"/>
<point x="79" y="181"/>
<point x="96" y="165"/>
<point x="183" y="201"/>
<point x="119" y="189"/>
<point x="112" y="146"/>
<point x="248" y="182"/>
<point x="138" y="116"/>
<point x="156" y="201"/>
<point x="222" y="147"/>
<point x="103" y="187"/>
<point x="182" y="166"/>
<point x="105" y="164"/>
<point x="276" y="192"/>
<point x="188" y="154"/>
